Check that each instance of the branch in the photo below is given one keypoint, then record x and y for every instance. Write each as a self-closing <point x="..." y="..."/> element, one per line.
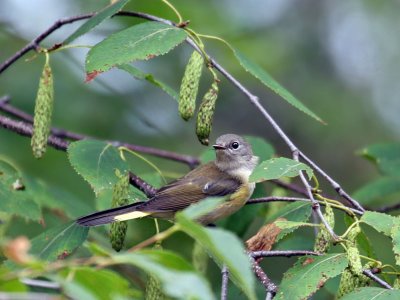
<point x="224" y="284"/>
<point x="275" y="253"/>
<point x="191" y="161"/>
<point x="270" y="287"/>
<point x="388" y="208"/>
<point x="142" y="185"/>
<point x="370" y="273"/>
<point x="294" y="199"/>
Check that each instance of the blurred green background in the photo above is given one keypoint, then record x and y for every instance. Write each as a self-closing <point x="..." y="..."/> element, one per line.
<point x="340" y="58"/>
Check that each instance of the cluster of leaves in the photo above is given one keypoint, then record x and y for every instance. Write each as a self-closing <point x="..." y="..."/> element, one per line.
<point x="82" y="269"/>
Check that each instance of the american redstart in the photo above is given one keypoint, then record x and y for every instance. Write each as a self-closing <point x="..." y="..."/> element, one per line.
<point x="228" y="176"/>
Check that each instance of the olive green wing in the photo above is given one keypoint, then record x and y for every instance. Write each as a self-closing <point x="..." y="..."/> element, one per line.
<point x="203" y="182"/>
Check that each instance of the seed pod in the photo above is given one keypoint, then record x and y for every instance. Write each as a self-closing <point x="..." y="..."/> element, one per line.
<point x="396" y="283"/>
<point x="120" y="198"/>
<point x="350" y="281"/>
<point x="352" y="251"/>
<point x="153" y="287"/>
<point x="323" y="239"/>
<point x="43" y="112"/>
<point x="199" y="258"/>
<point x="205" y="114"/>
<point x="190" y="86"/>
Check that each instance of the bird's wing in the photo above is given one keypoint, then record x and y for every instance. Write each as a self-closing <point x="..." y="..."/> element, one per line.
<point x="205" y="181"/>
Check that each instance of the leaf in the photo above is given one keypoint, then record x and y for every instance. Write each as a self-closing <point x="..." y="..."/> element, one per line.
<point x="283" y="224"/>
<point x="15" y="197"/>
<point x="98" y="18"/>
<point x="395" y="234"/>
<point x="58" y="242"/>
<point x="376" y="190"/>
<point x="138" y="74"/>
<point x="271" y="83"/>
<point x="277" y="168"/>
<point x="96" y="162"/>
<point x="217" y="241"/>
<point x="386" y="156"/>
<point x="139" y="42"/>
<point x="177" y="276"/>
<point x="309" y="274"/>
<point x="296" y="212"/>
<point x="91" y="283"/>
<point x="380" y="221"/>
<point x="372" y="293"/>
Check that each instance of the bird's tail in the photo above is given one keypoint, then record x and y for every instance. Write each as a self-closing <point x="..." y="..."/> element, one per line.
<point x="117" y="214"/>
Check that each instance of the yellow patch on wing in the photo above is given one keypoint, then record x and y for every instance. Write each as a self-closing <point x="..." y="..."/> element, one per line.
<point x="131" y="215"/>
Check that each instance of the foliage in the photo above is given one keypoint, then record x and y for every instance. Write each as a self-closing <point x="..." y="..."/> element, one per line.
<point x="83" y="265"/>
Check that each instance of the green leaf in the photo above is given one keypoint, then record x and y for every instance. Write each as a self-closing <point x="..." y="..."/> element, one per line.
<point x="386" y="156"/>
<point x="380" y="221"/>
<point x="277" y="168"/>
<point x="59" y="242"/>
<point x="375" y="293"/>
<point x="362" y="239"/>
<point x="139" y="42"/>
<point x="138" y="74"/>
<point x="271" y="83"/>
<point x="98" y="18"/>
<point x="395" y="234"/>
<point x="292" y="225"/>
<point x="376" y="190"/>
<point x="15" y="197"/>
<point x="217" y="241"/>
<point x="91" y="283"/>
<point x="309" y="274"/>
<point x="177" y="276"/>
<point x="203" y="207"/>
<point x="296" y="212"/>
<point x="96" y="162"/>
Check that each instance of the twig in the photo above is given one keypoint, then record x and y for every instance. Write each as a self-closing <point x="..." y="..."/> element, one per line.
<point x="41" y="283"/>
<point x="288" y="253"/>
<point x="388" y="208"/>
<point x="270" y="287"/>
<point x="191" y="161"/>
<point x="142" y="185"/>
<point x="26" y="129"/>
<point x="290" y="186"/>
<point x="294" y="199"/>
<point x="224" y="284"/>
<point x="375" y="278"/>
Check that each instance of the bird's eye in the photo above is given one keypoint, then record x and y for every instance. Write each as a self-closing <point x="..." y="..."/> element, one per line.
<point x="235" y="145"/>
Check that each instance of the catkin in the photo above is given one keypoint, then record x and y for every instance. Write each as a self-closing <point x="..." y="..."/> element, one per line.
<point x="323" y="239"/>
<point x="190" y="86"/>
<point x="199" y="258"/>
<point x="205" y="114"/>
<point x="119" y="198"/>
<point x="43" y="112"/>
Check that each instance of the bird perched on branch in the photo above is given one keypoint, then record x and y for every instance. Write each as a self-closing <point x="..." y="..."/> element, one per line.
<point x="227" y="176"/>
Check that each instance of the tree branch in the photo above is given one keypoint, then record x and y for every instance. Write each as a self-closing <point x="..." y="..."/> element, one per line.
<point x="369" y="273"/>
<point x="279" y="253"/>
<point x="224" y="284"/>
<point x="191" y="161"/>
<point x="270" y="287"/>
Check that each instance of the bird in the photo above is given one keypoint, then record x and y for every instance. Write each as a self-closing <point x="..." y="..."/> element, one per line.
<point x="227" y="176"/>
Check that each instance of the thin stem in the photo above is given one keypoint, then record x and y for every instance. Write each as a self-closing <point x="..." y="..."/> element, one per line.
<point x="191" y="161"/>
<point x="156" y="238"/>
<point x="288" y="253"/>
<point x="375" y="278"/>
<point x="270" y="287"/>
<point x="174" y="10"/>
<point x="142" y="185"/>
<point x="224" y="284"/>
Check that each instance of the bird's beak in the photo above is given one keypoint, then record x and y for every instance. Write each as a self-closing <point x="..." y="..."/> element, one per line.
<point x="219" y="147"/>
